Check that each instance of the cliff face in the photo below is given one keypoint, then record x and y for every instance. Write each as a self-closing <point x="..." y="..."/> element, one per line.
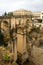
<point x="37" y="55"/>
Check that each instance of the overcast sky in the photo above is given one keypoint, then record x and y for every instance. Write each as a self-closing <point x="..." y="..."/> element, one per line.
<point x="11" y="5"/>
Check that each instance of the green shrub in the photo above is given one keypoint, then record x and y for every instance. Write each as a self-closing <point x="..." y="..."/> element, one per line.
<point x="6" y="57"/>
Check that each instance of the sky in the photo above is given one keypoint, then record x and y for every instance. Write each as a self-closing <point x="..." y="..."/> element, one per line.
<point x="12" y="5"/>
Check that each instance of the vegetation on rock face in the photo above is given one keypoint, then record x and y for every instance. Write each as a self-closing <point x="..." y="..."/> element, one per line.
<point x="6" y="57"/>
<point x="35" y="35"/>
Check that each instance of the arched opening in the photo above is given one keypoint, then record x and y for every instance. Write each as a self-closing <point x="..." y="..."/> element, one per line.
<point x="5" y="23"/>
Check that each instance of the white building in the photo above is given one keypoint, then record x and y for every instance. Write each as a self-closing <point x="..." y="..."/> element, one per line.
<point x="41" y="15"/>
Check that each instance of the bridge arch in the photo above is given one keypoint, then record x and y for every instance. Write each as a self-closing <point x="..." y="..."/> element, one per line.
<point x="4" y="24"/>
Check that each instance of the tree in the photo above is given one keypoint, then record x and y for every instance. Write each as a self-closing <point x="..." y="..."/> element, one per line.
<point x="5" y="13"/>
<point x="10" y="14"/>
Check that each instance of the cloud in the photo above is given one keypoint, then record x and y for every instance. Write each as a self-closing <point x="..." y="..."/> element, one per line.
<point x="11" y="5"/>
